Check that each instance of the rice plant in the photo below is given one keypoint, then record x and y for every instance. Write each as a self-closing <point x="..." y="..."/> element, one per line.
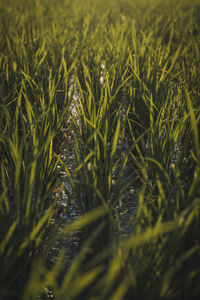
<point x="99" y="149"/>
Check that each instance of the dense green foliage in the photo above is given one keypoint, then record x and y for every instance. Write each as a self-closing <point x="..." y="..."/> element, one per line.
<point x="108" y="94"/>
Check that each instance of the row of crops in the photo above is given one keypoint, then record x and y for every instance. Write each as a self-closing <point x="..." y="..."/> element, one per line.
<point x="99" y="123"/>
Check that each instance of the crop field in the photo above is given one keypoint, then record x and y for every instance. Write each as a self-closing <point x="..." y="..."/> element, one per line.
<point x="100" y="149"/>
